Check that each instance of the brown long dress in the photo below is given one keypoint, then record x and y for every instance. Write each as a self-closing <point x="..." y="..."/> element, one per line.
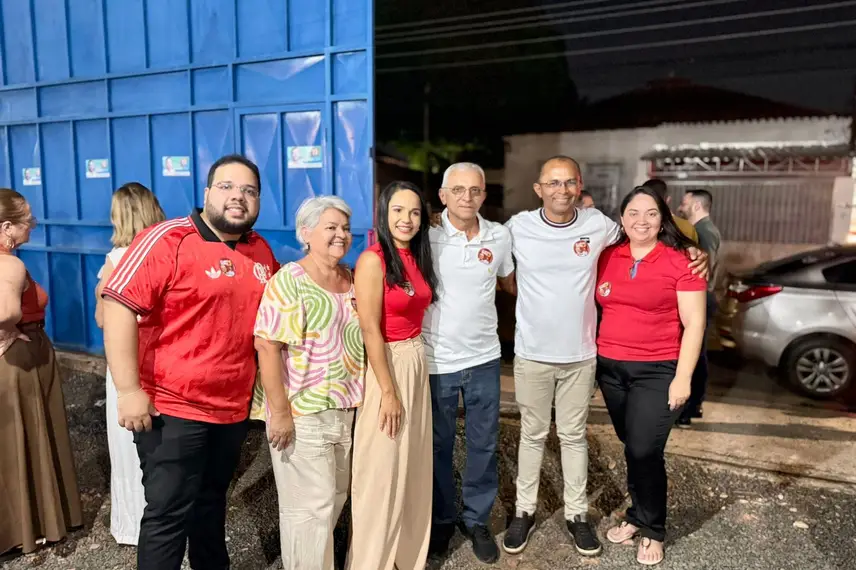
<point x="39" y="497"/>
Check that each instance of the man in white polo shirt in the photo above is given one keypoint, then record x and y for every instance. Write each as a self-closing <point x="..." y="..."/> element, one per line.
<point x="462" y="346"/>
<point x="556" y="249"/>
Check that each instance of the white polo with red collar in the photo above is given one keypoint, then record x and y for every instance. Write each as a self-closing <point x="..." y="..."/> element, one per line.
<point x="460" y="328"/>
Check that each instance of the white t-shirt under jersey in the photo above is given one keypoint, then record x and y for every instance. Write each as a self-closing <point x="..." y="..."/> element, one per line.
<point x="556" y="274"/>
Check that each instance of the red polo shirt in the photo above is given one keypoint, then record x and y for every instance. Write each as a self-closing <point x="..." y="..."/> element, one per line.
<point x="197" y="298"/>
<point x="640" y="319"/>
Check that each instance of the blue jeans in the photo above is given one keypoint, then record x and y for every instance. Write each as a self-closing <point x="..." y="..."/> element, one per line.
<point x="480" y="387"/>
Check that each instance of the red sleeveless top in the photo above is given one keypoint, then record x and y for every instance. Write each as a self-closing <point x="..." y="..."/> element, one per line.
<point x="33" y="302"/>
<point x="403" y="307"/>
<point x="34" y="299"/>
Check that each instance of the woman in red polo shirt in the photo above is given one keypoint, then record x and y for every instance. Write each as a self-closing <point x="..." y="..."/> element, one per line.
<point x="392" y="475"/>
<point x="648" y="344"/>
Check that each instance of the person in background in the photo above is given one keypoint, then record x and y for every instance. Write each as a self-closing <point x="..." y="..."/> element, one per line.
<point x="133" y="209"/>
<point x="662" y="189"/>
<point x="391" y="490"/>
<point x="648" y="343"/>
<point x="586" y="200"/>
<point x="695" y="207"/>
<point x="185" y="372"/>
<point x="312" y="363"/>
<point x="40" y="498"/>
<point x="460" y="330"/>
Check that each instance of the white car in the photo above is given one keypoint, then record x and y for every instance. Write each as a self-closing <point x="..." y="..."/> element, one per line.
<point x="798" y="314"/>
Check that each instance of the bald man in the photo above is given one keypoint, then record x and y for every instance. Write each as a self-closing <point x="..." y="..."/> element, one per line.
<point x="556" y="249"/>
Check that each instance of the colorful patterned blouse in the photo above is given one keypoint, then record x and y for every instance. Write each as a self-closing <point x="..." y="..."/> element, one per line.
<point x="324" y="359"/>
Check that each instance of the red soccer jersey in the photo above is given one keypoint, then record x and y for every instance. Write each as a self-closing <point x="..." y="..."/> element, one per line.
<point x="403" y="307"/>
<point x="197" y="298"/>
<point x="640" y="319"/>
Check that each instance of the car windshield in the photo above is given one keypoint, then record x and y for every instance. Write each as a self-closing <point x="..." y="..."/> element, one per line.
<point x="797" y="262"/>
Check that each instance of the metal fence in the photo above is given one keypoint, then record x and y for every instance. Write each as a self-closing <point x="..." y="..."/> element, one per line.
<point x="786" y="211"/>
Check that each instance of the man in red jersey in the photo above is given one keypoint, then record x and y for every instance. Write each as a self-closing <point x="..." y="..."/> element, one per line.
<point x="178" y="331"/>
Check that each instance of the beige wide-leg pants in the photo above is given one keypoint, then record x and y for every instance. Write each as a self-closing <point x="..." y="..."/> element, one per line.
<point x="392" y="479"/>
<point x="312" y="476"/>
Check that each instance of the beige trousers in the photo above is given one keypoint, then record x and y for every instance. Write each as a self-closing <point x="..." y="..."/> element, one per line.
<point x="312" y="476"/>
<point x="392" y="482"/>
<point x="535" y="386"/>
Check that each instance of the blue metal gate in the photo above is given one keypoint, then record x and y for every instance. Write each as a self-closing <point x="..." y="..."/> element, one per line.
<point x="96" y="93"/>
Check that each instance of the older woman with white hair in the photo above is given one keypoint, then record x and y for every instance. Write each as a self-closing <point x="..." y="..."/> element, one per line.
<point x="312" y="365"/>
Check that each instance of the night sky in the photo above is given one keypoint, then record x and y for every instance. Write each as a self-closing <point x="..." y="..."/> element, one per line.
<point x="763" y="56"/>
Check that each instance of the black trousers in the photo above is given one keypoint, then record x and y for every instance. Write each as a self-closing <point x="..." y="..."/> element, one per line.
<point x="187" y="468"/>
<point x="637" y="397"/>
<point x="701" y="373"/>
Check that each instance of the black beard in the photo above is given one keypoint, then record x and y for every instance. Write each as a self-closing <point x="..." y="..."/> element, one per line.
<point x="220" y="223"/>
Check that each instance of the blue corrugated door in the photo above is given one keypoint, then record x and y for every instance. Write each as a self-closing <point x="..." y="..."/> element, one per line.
<point x="98" y="93"/>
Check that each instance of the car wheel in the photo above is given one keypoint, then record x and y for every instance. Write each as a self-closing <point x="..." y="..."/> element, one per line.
<point x="821" y="367"/>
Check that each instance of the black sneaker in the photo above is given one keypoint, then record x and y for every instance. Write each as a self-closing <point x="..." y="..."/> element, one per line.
<point x="697" y="414"/>
<point x="684" y="423"/>
<point x="519" y="531"/>
<point x="585" y="538"/>
<point x="484" y="545"/>
<point x="441" y="535"/>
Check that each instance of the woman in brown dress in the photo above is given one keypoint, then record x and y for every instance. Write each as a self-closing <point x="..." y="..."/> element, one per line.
<point x="39" y="498"/>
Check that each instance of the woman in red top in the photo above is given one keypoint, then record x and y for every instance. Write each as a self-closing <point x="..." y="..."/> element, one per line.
<point x="392" y="471"/>
<point x="39" y="498"/>
<point x="648" y="343"/>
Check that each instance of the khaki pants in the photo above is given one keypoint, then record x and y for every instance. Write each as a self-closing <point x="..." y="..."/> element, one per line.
<point x="392" y="482"/>
<point x="312" y="476"/>
<point x="535" y="385"/>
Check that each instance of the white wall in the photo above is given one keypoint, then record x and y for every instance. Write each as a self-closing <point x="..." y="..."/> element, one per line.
<point x="525" y="153"/>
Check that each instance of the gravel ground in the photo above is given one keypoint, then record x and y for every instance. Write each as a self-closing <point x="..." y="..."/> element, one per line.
<point x="720" y="518"/>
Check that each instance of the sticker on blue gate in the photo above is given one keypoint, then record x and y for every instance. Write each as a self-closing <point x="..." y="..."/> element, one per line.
<point x="176" y="165"/>
<point x="304" y="157"/>
<point x="97" y="168"/>
<point x="32" y="176"/>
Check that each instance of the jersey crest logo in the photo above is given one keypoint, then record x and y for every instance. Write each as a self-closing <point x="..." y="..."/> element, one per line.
<point x="582" y="247"/>
<point x="212" y="273"/>
<point x="227" y="267"/>
<point x="261" y="272"/>
<point x="485" y="256"/>
<point x="604" y="289"/>
<point x="408" y="288"/>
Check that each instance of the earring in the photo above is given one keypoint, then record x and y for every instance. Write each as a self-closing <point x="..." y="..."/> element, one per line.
<point x="9" y="243"/>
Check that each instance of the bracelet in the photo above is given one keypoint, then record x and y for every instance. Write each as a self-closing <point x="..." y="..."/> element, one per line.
<point x="130" y="393"/>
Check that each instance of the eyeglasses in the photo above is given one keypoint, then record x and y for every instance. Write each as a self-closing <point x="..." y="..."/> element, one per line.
<point x="556" y="184"/>
<point x="475" y="191"/>
<point x="248" y="191"/>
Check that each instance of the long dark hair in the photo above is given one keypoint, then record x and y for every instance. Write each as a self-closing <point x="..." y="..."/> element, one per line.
<point x="420" y="245"/>
<point x="670" y="235"/>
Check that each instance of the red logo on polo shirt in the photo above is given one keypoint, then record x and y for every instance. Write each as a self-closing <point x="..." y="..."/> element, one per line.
<point x="604" y="289"/>
<point x="227" y="267"/>
<point x="581" y="247"/>
<point x="408" y="288"/>
<point x="485" y="255"/>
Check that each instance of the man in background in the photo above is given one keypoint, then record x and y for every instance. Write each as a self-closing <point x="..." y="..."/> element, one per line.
<point x="695" y="207"/>
<point x="586" y="200"/>
<point x="660" y="187"/>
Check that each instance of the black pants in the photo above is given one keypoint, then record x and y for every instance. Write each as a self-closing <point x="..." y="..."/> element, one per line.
<point x="187" y="468"/>
<point x="637" y="397"/>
